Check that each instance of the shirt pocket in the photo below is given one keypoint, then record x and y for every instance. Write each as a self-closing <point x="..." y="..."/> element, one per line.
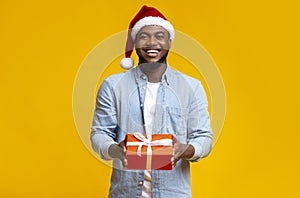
<point x="176" y="120"/>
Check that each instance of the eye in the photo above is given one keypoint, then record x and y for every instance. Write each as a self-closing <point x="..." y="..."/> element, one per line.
<point x="142" y="36"/>
<point x="160" y="36"/>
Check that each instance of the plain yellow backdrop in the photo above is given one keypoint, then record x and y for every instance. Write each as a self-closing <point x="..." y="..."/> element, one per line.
<point x="254" y="43"/>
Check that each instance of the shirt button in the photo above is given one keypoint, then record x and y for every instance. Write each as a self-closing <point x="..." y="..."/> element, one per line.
<point x="140" y="183"/>
<point x="143" y="87"/>
<point x="143" y="77"/>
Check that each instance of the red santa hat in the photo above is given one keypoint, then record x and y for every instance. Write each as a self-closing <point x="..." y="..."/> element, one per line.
<point x="146" y="16"/>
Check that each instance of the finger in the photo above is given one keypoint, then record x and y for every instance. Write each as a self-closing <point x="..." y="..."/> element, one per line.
<point x="122" y="144"/>
<point x="174" y="139"/>
<point x="173" y="165"/>
<point x="125" y="162"/>
<point x="176" y="156"/>
<point x="173" y="162"/>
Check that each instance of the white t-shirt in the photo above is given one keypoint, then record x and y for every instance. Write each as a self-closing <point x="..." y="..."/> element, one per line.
<point x="149" y="111"/>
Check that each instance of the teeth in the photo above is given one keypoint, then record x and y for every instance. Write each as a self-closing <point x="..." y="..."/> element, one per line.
<point x="152" y="51"/>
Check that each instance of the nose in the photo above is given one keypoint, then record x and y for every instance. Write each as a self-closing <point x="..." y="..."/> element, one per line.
<point x="151" y="41"/>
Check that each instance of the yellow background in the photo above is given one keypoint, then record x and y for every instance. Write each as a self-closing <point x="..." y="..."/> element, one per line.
<point x="254" y="43"/>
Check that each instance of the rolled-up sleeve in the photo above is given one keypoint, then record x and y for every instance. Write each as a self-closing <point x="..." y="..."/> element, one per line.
<point x="199" y="130"/>
<point x="104" y="121"/>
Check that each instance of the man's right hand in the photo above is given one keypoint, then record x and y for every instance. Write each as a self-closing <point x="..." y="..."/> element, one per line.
<point x="118" y="151"/>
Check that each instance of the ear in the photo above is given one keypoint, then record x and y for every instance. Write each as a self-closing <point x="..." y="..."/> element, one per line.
<point x="170" y="43"/>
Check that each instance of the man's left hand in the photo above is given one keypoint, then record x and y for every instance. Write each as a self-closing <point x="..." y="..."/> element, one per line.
<point x="182" y="151"/>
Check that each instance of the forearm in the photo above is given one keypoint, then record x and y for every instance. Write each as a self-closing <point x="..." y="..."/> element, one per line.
<point x="199" y="130"/>
<point x="202" y="146"/>
<point x="101" y="143"/>
<point x="103" y="133"/>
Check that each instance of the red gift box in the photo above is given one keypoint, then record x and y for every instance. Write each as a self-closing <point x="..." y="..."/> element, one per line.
<point x="152" y="152"/>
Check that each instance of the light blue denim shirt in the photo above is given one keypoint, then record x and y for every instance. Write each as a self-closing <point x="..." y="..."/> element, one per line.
<point x="181" y="109"/>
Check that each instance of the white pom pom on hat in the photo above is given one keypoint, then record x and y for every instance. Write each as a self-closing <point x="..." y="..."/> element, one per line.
<point x="127" y="63"/>
<point x="146" y="16"/>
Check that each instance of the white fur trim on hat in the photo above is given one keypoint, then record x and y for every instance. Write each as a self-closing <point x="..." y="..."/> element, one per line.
<point x="152" y="21"/>
<point x="127" y="63"/>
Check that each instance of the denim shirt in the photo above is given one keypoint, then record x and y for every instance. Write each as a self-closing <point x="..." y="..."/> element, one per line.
<point x="181" y="109"/>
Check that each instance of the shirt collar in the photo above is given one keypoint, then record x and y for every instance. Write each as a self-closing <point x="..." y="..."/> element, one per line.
<point x="165" y="77"/>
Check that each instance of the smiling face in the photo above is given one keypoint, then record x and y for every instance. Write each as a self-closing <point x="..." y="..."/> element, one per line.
<point x="152" y="44"/>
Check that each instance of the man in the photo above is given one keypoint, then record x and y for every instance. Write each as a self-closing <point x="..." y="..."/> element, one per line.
<point x="152" y="99"/>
